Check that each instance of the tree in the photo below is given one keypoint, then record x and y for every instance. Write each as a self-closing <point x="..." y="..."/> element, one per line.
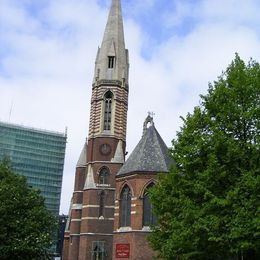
<point x="26" y="226"/>
<point x="208" y="206"/>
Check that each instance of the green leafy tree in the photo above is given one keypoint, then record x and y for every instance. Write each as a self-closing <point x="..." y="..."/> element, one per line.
<point x="26" y="226"/>
<point x="208" y="206"/>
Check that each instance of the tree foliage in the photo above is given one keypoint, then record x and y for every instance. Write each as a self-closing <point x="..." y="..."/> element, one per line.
<point x="26" y="226"/>
<point x="208" y="206"/>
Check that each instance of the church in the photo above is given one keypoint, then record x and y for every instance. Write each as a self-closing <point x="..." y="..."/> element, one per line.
<point x="110" y="213"/>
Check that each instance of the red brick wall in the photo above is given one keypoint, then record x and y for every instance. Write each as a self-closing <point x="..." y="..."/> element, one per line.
<point x="137" y="183"/>
<point x="73" y="247"/>
<point x="139" y="247"/>
<point x="80" y="176"/>
<point x="65" y="253"/>
<point x="94" y="153"/>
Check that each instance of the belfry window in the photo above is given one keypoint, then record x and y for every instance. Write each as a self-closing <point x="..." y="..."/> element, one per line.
<point x="101" y="204"/>
<point x="108" y="110"/>
<point x="125" y="207"/>
<point x="149" y="218"/>
<point x="98" y="250"/>
<point x="103" y="175"/>
<point x="111" y="62"/>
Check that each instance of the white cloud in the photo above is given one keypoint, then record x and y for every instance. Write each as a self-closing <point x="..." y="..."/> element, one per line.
<point x="47" y="67"/>
<point x="182" y="10"/>
<point x="232" y="10"/>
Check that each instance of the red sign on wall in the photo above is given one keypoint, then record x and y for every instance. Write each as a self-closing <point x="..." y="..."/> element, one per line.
<point x="122" y="250"/>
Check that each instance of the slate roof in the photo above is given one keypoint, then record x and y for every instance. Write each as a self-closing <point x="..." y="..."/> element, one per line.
<point x="150" y="155"/>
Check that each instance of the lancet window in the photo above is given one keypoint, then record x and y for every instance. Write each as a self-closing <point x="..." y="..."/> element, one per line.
<point x="149" y="218"/>
<point x="108" y="110"/>
<point x="125" y="207"/>
<point x="103" y="175"/>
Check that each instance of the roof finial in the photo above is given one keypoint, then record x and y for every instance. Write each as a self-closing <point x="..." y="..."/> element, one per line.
<point x="151" y="114"/>
<point x="148" y="121"/>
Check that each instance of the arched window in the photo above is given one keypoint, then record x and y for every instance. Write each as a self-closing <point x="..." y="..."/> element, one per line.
<point x="101" y="204"/>
<point x="98" y="250"/>
<point x="108" y="110"/>
<point x="103" y="175"/>
<point x="149" y="218"/>
<point x="125" y="207"/>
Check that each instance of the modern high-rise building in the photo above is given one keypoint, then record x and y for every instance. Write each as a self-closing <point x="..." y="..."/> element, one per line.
<point x="39" y="156"/>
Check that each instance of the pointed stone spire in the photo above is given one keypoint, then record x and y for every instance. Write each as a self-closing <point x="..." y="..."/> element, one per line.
<point x="112" y="57"/>
<point x="90" y="183"/>
<point x="82" y="161"/>
<point x="119" y="154"/>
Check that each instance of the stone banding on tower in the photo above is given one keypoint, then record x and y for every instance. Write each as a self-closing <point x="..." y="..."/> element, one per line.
<point x="110" y="211"/>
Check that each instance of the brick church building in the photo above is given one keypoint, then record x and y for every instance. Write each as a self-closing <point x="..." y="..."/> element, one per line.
<point x="110" y="213"/>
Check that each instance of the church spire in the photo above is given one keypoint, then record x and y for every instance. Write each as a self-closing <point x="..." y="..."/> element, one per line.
<point x="112" y="57"/>
<point x="90" y="231"/>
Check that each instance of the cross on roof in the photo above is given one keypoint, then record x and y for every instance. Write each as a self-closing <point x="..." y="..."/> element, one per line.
<point x="151" y="114"/>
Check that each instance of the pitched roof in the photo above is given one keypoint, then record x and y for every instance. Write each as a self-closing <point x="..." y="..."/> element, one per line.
<point x="150" y="155"/>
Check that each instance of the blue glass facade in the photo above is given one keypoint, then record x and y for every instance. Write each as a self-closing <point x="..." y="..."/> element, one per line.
<point x="39" y="156"/>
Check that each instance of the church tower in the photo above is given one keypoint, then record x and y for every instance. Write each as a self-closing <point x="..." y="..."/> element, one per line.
<point x="89" y="231"/>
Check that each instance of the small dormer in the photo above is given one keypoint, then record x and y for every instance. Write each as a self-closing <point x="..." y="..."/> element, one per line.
<point x="112" y="56"/>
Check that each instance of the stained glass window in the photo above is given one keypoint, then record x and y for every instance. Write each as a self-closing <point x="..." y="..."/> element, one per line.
<point x="148" y="216"/>
<point x="125" y="207"/>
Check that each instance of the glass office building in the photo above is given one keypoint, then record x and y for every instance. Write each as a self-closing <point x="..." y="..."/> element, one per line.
<point x="39" y="156"/>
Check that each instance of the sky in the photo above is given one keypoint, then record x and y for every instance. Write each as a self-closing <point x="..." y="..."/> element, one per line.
<point x="176" y="47"/>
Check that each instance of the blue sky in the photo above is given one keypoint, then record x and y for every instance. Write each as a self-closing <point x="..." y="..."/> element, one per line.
<point x="48" y="49"/>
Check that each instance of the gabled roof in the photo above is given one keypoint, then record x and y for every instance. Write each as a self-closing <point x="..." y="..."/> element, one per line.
<point x="150" y="155"/>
